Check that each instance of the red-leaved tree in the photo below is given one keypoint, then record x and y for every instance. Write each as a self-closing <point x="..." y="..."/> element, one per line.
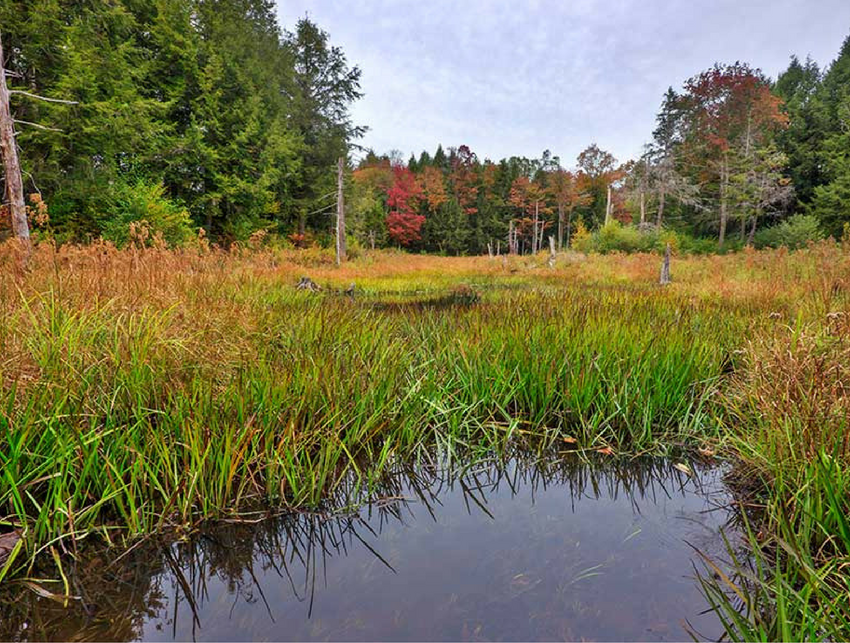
<point x="730" y="111"/>
<point x="404" y="223"/>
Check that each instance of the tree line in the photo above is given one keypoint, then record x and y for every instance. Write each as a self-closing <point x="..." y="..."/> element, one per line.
<point x="733" y="152"/>
<point x="207" y="114"/>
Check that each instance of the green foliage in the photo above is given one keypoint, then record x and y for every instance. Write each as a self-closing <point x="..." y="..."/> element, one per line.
<point x="144" y="206"/>
<point x="795" y="232"/>
<point x="617" y="237"/>
<point x="206" y="97"/>
<point x="614" y="236"/>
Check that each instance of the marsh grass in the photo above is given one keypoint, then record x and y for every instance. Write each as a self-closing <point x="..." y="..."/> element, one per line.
<point x="792" y="407"/>
<point x="148" y="389"/>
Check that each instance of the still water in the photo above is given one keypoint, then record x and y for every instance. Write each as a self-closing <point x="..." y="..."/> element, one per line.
<point x="523" y="550"/>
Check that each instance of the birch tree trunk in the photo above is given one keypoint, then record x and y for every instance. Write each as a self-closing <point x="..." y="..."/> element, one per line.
<point x="642" y="208"/>
<point x="11" y="165"/>
<point x="608" y="206"/>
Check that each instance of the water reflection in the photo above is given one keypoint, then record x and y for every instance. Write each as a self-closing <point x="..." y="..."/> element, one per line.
<point x="532" y="549"/>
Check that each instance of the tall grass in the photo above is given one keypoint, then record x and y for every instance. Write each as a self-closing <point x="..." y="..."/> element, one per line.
<point x="791" y="403"/>
<point x="148" y="389"/>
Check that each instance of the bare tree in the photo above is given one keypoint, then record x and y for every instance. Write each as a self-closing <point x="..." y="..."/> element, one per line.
<point x="340" y="214"/>
<point x="11" y="164"/>
<point x="9" y="152"/>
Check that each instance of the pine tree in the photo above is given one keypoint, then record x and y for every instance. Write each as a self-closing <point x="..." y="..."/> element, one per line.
<point x="324" y="86"/>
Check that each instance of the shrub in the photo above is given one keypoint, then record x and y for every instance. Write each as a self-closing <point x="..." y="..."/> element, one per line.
<point x="614" y="236"/>
<point x="145" y="204"/>
<point x="795" y="232"/>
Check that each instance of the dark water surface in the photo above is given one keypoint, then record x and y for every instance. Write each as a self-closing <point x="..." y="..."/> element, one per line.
<point x="525" y="551"/>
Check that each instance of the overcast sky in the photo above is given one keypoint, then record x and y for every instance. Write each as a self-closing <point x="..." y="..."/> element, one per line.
<point x="515" y="78"/>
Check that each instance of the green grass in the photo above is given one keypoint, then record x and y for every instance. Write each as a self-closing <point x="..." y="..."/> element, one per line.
<point x="149" y="390"/>
<point x="135" y="421"/>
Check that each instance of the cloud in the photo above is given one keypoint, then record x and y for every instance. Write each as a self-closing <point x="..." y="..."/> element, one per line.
<point x="512" y="78"/>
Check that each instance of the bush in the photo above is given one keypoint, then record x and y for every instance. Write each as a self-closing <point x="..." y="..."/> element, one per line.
<point x="144" y="205"/>
<point x="795" y="232"/>
<point x="616" y="237"/>
<point x="696" y="245"/>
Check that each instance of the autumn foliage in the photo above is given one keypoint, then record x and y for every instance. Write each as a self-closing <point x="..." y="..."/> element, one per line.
<point x="404" y="224"/>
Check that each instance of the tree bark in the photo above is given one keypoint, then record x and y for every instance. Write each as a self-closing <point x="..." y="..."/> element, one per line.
<point x="665" y="267"/>
<point x="540" y="234"/>
<point x="534" y="231"/>
<point x="724" y="178"/>
<point x="11" y="165"/>
<point x="560" y="226"/>
<point x="608" y="206"/>
<point x="660" y="216"/>
<point x="642" y="208"/>
<point x="340" y="214"/>
<point x="752" y="234"/>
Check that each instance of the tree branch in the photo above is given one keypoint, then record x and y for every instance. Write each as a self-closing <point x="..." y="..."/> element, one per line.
<point x="44" y="98"/>
<point x="44" y="127"/>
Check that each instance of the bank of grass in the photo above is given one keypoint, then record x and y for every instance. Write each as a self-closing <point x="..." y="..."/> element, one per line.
<point x="791" y="404"/>
<point x="148" y="389"/>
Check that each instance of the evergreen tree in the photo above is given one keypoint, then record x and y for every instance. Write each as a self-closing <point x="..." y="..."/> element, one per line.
<point x="324" y="87"/>
<point x="797" y="86"/>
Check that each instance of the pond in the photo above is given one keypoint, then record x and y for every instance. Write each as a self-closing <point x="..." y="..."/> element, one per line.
<point x="519" y="550"/>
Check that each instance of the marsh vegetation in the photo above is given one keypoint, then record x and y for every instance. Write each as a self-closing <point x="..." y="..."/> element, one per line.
<point x="149" y="391"/>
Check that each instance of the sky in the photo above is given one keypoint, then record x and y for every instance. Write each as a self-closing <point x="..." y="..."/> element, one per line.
<point x="515" y="78"/>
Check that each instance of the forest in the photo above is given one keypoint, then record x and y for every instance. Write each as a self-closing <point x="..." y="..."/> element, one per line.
<point x="202" y="115"/>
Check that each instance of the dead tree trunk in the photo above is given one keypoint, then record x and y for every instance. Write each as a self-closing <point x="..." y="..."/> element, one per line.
<point x="665" y="267"/>
<point x="512" y="239"/>
<point x="340" y="214"/>
<point x="642" y="208"/>
<point x="11" y="165"/>
<point x="608" y="206"/>
<point x="540" y="236"/>
<point x="752" y="233"/>
<point x="724" y="185"/>
<point x="560" y="226"/>
<point x="552" y="254"/>
<point x="534" y="229"/>
<point x="659" y="218"/>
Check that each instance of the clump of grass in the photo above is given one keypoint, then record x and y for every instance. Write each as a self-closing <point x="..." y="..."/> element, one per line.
<point x="791" y="407"/>
<point x="790" y="582"/>
<point x="792" y="396"/>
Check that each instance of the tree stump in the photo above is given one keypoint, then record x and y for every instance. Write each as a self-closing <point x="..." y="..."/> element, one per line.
<point x="665" y="267"/>
<point x="308" y="284"/>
